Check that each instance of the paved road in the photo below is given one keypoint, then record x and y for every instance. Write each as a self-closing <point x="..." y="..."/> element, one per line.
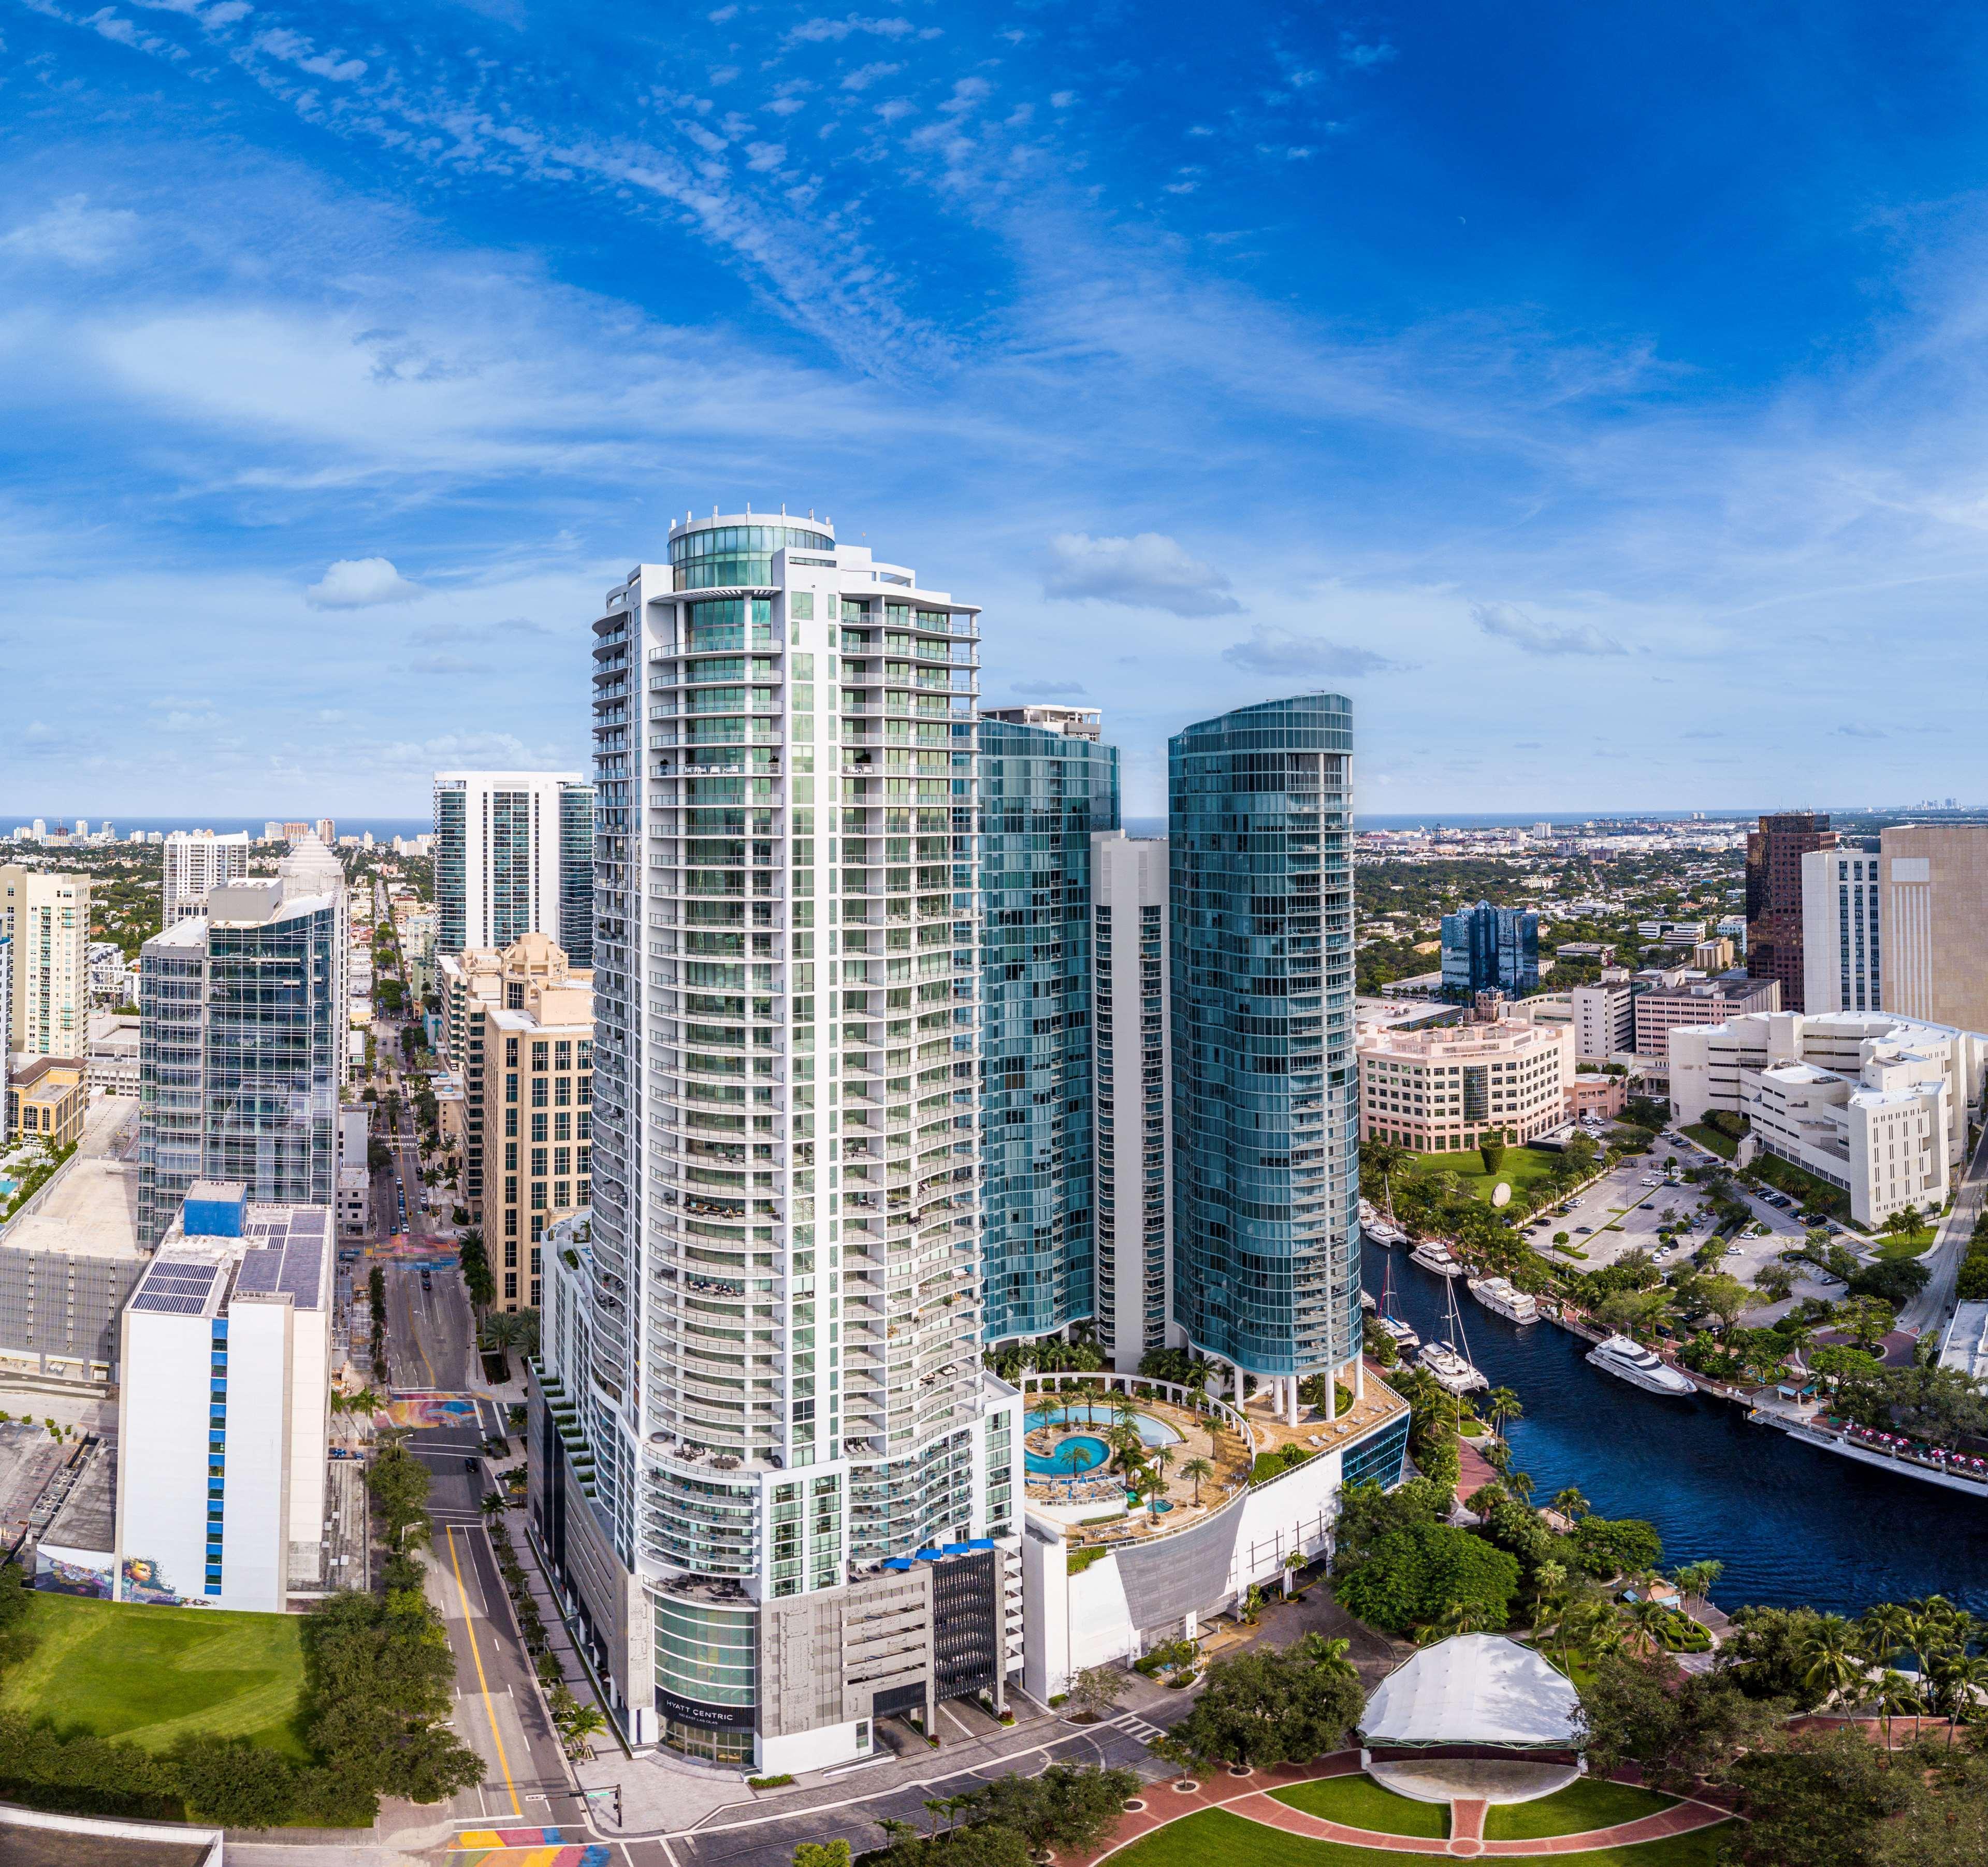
<point x="429" y="1332"/>
<point x="765" y="1834"/>
<point x="1928" y="1312"/>
<point x="499" y="1711"/>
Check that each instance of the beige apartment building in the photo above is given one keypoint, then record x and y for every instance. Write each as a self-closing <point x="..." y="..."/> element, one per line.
<point x="48" y="913"/>
<point x="1445" y="1090"/>
<point x="528" y="1106"/>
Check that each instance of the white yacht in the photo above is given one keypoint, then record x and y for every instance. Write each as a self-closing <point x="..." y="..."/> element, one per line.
<point x="1502" y="1298"/>
<point x="1432" y="1254"/>
<point x="1640" y="1367"/>
<point x="1450" y="1371"/>
<point x="1380" y="1233"/>
<point x="1405" y="1340"/>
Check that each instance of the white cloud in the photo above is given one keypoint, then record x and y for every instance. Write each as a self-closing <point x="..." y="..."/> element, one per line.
<point x="864" y="76"/>
<point x="1149" y="571"/>
<point x="74" y="233"/>
<point x="294" y="48"/>
<point x="763" y="156"/>
<point x="818" y="32"/>
<point x="1271" y="649"/>
<point x="359" y="583"/>
<point x="1510" y="622"/>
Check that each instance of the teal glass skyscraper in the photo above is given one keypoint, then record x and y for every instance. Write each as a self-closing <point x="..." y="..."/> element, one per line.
<point x="1266" y="1250"/>
<point x="1045" y="783"/>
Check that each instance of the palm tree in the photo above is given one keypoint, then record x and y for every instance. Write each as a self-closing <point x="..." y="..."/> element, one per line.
<point x="1649" y="1621"/>
<point x="1044" y="1408"/>
<point x="1887" y="1630"/>
<point x="1697" y="1578"/>
<point x="1830" y="1657"/>
<point x="1504" y="1405"/>
<point x="1125" y="1414"/>
<point x="1162" y="1458"/>
<point x="1959" y="1680"/>
<point x="492" y="1506"/>
<point x="1894" y="1696"/>
<point x="1520" y="1485"/>
<point x="1197" y="1469"/>
<point x="1570" y="1502"/>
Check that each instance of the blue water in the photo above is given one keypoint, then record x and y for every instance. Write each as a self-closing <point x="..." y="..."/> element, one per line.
<point x="1080" y="1452"/>
<point x="1793" y="1525"/>
<point x="1152" y="1432"/>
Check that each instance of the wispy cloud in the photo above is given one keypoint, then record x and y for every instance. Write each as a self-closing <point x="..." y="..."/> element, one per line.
<point x="1507" y="622"/>
<point x="1147" y="571"/>
<point x="1286" y="653"/>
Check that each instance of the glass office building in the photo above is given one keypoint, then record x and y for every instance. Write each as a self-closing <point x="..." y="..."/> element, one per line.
<point x="240" y="1028"/>
<point x="575" y="864"/>
<point x="1486" y="949"/>
<point x="1267" y="1252"/>
<point x="1043" y="790"/>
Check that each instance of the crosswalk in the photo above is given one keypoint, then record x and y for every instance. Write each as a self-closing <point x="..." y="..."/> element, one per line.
<point x="1137" y="1726"/>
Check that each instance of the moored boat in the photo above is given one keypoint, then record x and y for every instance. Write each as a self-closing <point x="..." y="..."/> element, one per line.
<point x="1453" y="1372"/>
<point x="1631" y="1361"/>
<point x="1432" y="1254"/>
<point x="1504" y="1298"/>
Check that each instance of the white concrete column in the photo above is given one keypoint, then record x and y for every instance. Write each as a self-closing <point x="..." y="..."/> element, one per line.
<point x="1291" y="1418"/>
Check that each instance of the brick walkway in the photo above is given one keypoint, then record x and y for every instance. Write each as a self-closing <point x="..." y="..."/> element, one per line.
<point x="1249" y="1796"/>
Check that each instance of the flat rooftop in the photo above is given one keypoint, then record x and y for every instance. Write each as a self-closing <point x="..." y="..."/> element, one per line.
<point x="88" y="1518"/>
<point x="90" y="1209"/>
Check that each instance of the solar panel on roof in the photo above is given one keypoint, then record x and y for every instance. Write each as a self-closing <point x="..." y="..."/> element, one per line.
<point x="160" y="1302"/>
<point x="261" y="1272"/>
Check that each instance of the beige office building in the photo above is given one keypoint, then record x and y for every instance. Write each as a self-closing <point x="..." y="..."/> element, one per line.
<point x="528" y="1109"/>
<point x="1933" y="916"/>
<point x="1444" y="1091"/>
<point x="48" y="915"/>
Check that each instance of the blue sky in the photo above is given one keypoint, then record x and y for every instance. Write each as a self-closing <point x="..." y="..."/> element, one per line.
<point x="1595" y="394"/>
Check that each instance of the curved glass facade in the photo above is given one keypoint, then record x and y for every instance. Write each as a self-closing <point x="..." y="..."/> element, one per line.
<point x="1267" y="1252"/>
<point x="728" y="555"/>
<point x="1042" y="793"/>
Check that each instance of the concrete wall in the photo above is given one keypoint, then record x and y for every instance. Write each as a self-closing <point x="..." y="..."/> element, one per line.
<point x="162" y="1456"/>
<point x="255" y="1540"/>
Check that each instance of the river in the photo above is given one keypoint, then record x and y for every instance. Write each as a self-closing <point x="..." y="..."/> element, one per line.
<point x="1793" y="1525"/>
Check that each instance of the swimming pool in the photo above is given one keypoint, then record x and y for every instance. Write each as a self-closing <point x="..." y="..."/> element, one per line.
<point x="1152" y="1432"/>
<point x="1080" y="1452"/>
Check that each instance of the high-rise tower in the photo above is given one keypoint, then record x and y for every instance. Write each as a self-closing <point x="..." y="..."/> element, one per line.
<point x="1047" y="782"/>
<point x="762" y="1410"/>
<point x="1774" y="854"/>
<point x="1267" y="1240"/>
<point x="514" y="855"/>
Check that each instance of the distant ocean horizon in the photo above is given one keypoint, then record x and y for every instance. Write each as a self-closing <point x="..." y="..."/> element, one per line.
<point x="1487" y="820"/>
<point x="383" y="828"/>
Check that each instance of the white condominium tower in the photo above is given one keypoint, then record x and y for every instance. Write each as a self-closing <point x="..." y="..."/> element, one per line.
<point x="48" y="914"/>
<point x="198" y="862"/>
<point x="764" y="1365"/>
<point x="513" y="855"/>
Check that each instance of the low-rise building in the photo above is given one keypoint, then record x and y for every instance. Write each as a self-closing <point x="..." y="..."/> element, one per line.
<point x="1595" y="1094"/>
<point x="112" y="1058"/>
<point x="1445" y="1090"/>
<point x="223" y="1407"/>
<point x="1671" y="1000"/>
<point x="354" y="1176"/>
<point x="1876" y="1104"/>
<point x="46" y="1099"/>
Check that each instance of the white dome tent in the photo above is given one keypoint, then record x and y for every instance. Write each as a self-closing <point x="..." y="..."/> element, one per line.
<point x="1476" y="1716"/>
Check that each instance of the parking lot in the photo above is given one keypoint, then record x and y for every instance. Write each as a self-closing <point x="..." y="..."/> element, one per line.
<point x="1622" y="1212"/>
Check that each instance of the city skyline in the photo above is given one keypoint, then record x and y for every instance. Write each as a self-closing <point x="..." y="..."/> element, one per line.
<point x="1282" y="357"/>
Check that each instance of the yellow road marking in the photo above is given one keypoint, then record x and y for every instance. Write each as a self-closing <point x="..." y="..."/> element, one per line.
<point x="489" y="1710"/>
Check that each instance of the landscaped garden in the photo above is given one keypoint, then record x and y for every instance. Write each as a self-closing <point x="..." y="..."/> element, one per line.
<point x="1594" y="1802"/>
<point x="1522" y="1167"/>
<point x="1216" y="1839"/>
<point x="1360" y="1802"/>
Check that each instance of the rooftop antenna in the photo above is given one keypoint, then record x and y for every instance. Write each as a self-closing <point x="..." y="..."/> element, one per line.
<point x="783" y="509"/>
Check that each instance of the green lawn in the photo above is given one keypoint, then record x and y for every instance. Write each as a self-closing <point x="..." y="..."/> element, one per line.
<point x="1216" y="1839"/>
<point x="1521" y="1166"/>
<point x="1723" y="1145"/>
<point x="1588" y="1804"/>
<point x="1906" y="1244"/>
<point x="150" y="1675"/>
<point x="1361" y="1803"/>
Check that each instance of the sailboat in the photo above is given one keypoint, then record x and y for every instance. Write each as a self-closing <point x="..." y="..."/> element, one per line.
<point x="1405" y="1340"/>
<point x="1448" y="1362"/>
<point x="1381" y="1228"/>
